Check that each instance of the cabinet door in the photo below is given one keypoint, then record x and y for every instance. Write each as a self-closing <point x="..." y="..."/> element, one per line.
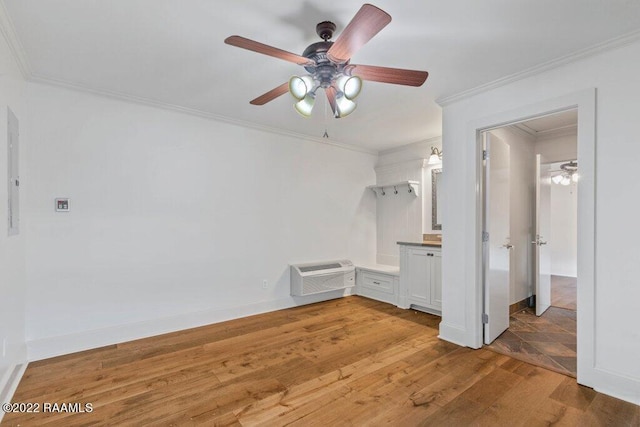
<point x="436" y="280"/>
<point x="418" y="275"/>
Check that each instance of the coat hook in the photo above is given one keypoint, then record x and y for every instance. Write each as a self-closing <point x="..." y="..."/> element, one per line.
<point x="410" y="189"/>
<point x="383" y="193"/>
<point x="395" y="190"/>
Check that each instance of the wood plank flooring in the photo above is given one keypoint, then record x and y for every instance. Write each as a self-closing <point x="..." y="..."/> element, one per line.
<point x="351" y="361"/>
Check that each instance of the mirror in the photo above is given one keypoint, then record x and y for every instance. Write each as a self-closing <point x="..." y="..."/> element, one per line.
<point x="436" y="184"/>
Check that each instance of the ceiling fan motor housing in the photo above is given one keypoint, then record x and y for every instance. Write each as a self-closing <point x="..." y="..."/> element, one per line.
<point x="324" y="71"/>
<point x="325" y="30"/>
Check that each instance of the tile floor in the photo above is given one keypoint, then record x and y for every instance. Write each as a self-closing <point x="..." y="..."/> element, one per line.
<point x="549" y="340"/>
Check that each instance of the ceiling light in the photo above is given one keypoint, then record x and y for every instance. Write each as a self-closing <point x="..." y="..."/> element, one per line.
<point x="344" y="106"/>
<point x="556" y="178"/>
<point x="568" y="173"/>
<point x="436" y="156"/>
<point x="350" y="86"/>
<point x="300" y="86"/>
<point x="305" y="105"/>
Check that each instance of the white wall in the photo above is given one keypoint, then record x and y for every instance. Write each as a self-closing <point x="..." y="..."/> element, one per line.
<point x="417" y="150"/>
<point x="399" y="216"/>
<point x="12" y="273"/>
<point x="558" y="149"/>
<point x="613" y="367"/>
<point x="563" y="242"/>
<point x="522" y="193"/>
<point x="404" y="217"/>
<point x="175" y="220"/>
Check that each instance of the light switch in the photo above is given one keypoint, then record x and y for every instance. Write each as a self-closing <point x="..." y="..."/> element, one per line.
<point x="62" y="205"/>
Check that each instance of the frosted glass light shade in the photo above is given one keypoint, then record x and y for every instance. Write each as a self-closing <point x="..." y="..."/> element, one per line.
<point x="345" y="106"/>
<point x="350" y="86"/>
<point x="299" y="87"/>
<point x="565" y="180"/>
<point x="575" y="177"/>
<point x="556" y="179"/>
<point x="305" y="106"/>
<point x="434" y="159"/>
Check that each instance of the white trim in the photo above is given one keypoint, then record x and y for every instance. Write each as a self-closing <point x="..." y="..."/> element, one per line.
<point x="585" y="102"/>
<point x="193" y="112"/>
<point x="9" y="383"/>
<point x="65" y="344"/>
<point x="617" y="385"/>
<point x="540" y="68"/>
<point x="436" y="140"/>
<point x="557" y="133"/>
<point x="17" y="50"/>
<point x="453" y="333"/>
<point x="401" y="166"/>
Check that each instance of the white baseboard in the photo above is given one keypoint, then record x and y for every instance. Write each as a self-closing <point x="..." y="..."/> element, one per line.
<point x="453" y="334"/>
<point x="9" y="383"/>
<point x="616" y="385"/>
<point x="65" y="344"/>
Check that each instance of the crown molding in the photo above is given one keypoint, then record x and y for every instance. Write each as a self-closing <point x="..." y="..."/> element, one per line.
<point x="540" y="68"/>
<point x="437" y="140"/>
<point x="194" y="112"/>
<point x="569" y="130"/>
<point x="17" y="50"/>
<point x="412" y="164"/>
<point x="521" y="131"/>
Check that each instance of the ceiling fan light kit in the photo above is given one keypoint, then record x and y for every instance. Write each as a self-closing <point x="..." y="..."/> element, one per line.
<point x="568" y="173"/>
<point x="328" y="65"/>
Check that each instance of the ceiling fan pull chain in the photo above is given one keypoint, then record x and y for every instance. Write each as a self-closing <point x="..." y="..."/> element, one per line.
<point x="326" y="134"/>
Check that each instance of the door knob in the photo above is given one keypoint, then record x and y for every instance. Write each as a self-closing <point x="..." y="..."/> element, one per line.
<point x="507" y="246"/>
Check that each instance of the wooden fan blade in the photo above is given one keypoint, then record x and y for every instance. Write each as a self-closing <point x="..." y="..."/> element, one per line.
<point x="331" y="96"/>
<point x="396" y="76"/>
<point x="365" y="24"/>
<point x="271" y="95"/>
<point x="264" y="49"/>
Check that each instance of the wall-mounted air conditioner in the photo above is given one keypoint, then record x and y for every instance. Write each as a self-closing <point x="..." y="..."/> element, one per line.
<point x="318" y="277"/>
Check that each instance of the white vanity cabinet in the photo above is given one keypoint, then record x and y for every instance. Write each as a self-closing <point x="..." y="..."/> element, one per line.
<point x="380" y="283"/>
<point x="421" y="277"/>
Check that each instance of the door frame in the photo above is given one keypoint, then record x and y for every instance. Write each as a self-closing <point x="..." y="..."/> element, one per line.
<point x="585" y="102"/>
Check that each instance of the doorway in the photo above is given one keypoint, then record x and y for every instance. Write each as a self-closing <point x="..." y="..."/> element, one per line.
<point x="529" y="256"/>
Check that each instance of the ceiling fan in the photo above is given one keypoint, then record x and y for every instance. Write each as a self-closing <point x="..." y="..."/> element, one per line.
<point x="328" y="64"/>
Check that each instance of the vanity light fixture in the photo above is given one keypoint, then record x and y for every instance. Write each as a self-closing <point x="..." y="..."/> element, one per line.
<point x="436" y="156"/>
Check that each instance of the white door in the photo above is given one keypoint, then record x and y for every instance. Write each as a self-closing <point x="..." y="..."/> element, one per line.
<point x="497" y="248"/>
<point x="542" y="256"/>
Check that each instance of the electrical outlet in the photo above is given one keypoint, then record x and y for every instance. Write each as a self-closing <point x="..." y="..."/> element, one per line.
<point x="265" y="284"/>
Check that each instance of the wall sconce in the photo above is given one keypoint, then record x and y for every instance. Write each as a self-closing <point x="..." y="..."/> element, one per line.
<point x="436" y="156"/>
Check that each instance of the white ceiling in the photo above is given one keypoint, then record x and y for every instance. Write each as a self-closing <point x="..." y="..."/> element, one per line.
<point x="171" y="52"/>
<point x="563" y="121"/>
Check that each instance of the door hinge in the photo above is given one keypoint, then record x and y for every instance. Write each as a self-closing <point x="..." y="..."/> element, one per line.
<point x="485" y="154"/>
<point x="485" y="318"/>
<point x="485" y="236"/>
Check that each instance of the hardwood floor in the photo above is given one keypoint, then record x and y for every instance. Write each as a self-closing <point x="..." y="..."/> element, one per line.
<point x="563" y="292"/>
<point x="351" y="361"/>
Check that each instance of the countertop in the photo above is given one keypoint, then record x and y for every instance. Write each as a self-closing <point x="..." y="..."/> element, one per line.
<point x="428" y="243"/>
